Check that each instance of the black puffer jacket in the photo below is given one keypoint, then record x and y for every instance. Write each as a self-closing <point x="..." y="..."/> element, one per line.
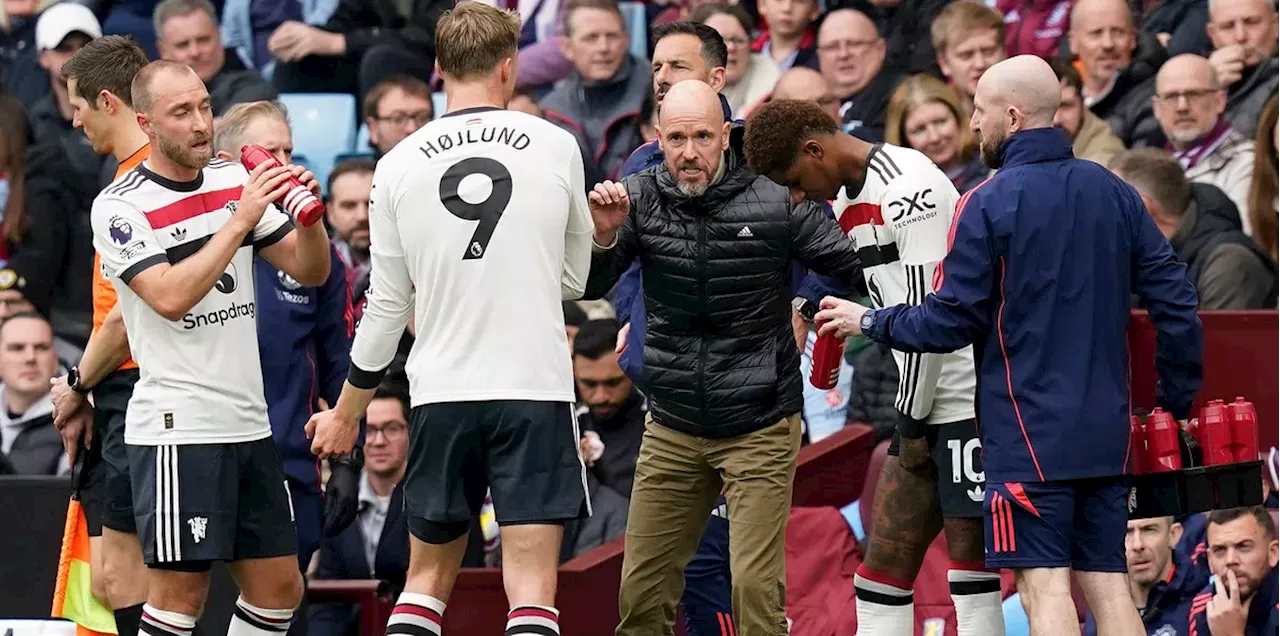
<point x="720" y="358"/>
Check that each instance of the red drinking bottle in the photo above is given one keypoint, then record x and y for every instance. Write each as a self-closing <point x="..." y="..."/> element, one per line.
<point x="1244" y="430"/>
<point x="1215" y="434"/>
<point x="300" y="202"/>
<point x="1163" y="452"/>
<point x="828" y="349"/>
<point x="1137" y="446"/>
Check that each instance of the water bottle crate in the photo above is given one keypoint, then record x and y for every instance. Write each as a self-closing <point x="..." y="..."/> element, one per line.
<point x="1200" y="489"/>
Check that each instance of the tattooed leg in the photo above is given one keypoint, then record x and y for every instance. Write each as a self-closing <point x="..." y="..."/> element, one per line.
<point x="904" y="521"/>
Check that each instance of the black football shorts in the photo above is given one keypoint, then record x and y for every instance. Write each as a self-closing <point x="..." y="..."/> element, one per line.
<point x="200" y="503"/>
<point x="957" y="453"/>
<point x="526" y="453"/>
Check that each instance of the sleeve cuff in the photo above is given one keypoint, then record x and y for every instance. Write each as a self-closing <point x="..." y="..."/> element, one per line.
<point x="276" y="236"/>
<point x="361" y="379"/>
<point x="141" y="266"/>
<point x="597" y="248"/>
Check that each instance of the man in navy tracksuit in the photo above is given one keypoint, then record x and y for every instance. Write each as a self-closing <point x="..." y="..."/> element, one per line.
<point x="1043" y="259"/>
<point x="1241" y="598"/>
<point x="1162" y="579"/>
<point x="304" y="338"/>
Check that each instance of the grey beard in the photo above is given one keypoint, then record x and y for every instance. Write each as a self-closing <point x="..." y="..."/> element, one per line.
<point x="693" y="189"/>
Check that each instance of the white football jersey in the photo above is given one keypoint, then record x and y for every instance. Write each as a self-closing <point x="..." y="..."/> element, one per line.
<point x="200" y="377"/>
<point x="899" y="222"/>
<point x="478" y="228"/>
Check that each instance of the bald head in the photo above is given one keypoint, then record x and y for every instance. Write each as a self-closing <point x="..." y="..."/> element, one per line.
<point x="849" y="23"/>
<point x="151" y="82"/>
<point x="1024" y="83"/>
<point x="693" y="135"/>
<point x="1083" y="11"/>
<point x="1190" y="67"/>
<point x="691" y="98"/>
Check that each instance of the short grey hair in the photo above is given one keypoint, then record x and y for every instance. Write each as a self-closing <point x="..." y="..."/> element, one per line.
<point x="174" y="8"/>
<point x="228" y="134"/>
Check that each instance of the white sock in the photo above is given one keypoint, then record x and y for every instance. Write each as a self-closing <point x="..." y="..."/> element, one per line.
<point x="250" y="620"/>
<point x="976" y="595"/>
<point x="885" y="607"/>
<point x="414" y="613"/>
<point x="158" y="622"/>
<point x="533" y="620"/>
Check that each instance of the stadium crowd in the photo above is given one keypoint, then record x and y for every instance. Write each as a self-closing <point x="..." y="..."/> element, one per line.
<point x="1177" y="97"/>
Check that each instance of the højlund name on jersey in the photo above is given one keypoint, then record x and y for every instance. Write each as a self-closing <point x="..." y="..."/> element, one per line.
<point x="471" y="135"/>
<point x="194" y="321"/>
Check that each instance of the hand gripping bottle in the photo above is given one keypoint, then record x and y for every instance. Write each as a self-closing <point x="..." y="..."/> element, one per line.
<point x="1137" y="446"/>
<point x="1244" y="430"/>
<point x="1215" y="434"/>
<point x="828" y="350"/>
<point x="299" y="201"/>
<point x="1163" y="452"/>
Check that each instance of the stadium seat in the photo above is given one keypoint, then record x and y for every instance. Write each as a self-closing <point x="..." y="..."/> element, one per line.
<point x="1015" y="618"/>
<point x="637" y="24"/>
<point x="438" y="104"/>
<point x="324" y="126"/>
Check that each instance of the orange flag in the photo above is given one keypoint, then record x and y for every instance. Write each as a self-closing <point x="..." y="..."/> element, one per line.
<point x="72" y="597"/>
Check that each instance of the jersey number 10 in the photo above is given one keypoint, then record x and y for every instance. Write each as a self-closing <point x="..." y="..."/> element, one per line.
<point x="487" y="212"/>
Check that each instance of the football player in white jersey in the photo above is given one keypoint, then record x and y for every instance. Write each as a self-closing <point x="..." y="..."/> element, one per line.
<point x="897" y="207"/>
<point x="479" y="227"/>
<point x="176" y="236"/>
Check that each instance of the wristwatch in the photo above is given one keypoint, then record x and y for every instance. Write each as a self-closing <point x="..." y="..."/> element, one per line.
<point x="868" y="321"/>
<point x="805" y="307"/>
<point x="73" y="381"/>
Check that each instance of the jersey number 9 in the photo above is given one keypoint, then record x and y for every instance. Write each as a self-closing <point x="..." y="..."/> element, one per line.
<point x="487" y="212"/>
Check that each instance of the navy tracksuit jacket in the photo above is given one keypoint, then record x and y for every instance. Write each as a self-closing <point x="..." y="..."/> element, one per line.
<point x="1169" y="602"/>
<point x="1044" y="257"/>
<point x="1264" y="610"/>
<point x="304" y="339"/>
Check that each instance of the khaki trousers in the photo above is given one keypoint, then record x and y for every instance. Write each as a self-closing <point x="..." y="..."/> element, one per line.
<point x="678" y="479"/>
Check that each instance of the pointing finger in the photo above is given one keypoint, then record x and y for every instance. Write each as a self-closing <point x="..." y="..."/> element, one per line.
<point x="1233" y="586"/>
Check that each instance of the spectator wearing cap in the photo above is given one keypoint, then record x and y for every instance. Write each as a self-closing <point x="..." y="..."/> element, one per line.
<point x="1244" y="39"/>
<point x="187" y="32"/>
<point x="788" y="36"/>
<point x="28" y="438"/>
<point x="1117" y="64"/>
<point x="599" y="101"/>
<point x="395" y="108"/>
<point x="1091" y="138"/>
<point x="362" y="42"/>
<point x="1229" y="269"/>
<point x="60" y="31"/>
<point x="1189" y="104"/>
<point x="851" y="55"/>
<point x="1034" y="27"/>
<point x="968" y="37"/>
<point x="749" y="77"/>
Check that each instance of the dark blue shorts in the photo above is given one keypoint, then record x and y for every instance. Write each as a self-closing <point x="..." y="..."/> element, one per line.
<point x="1079" y="524"/>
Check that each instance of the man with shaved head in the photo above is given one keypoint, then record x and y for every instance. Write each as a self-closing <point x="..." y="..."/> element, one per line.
<point x="807" y="85"/>
<point x="716" y="245"/>
<point x="1189" y="104"/>
<point x="177" y="236"/>
<point x="1043" y="259"/>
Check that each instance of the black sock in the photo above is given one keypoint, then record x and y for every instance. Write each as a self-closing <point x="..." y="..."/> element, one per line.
<point x="127" y="619"/>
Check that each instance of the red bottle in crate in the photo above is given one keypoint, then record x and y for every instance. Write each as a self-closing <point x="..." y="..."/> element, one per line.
<point x="300" y="202"/>
<point x="1163" y="452"/>
<point x="828" y="350"/>
<point x="1215" y="434"/>
<point x="1244" y="430"/>
<point x="1137" y="446"/>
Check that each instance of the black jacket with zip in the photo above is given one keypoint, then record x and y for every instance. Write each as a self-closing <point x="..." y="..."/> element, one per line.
<point x="720" y="358"/>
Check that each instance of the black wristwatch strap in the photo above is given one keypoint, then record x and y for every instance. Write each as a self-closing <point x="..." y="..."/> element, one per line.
<point x="76" y="382"/>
